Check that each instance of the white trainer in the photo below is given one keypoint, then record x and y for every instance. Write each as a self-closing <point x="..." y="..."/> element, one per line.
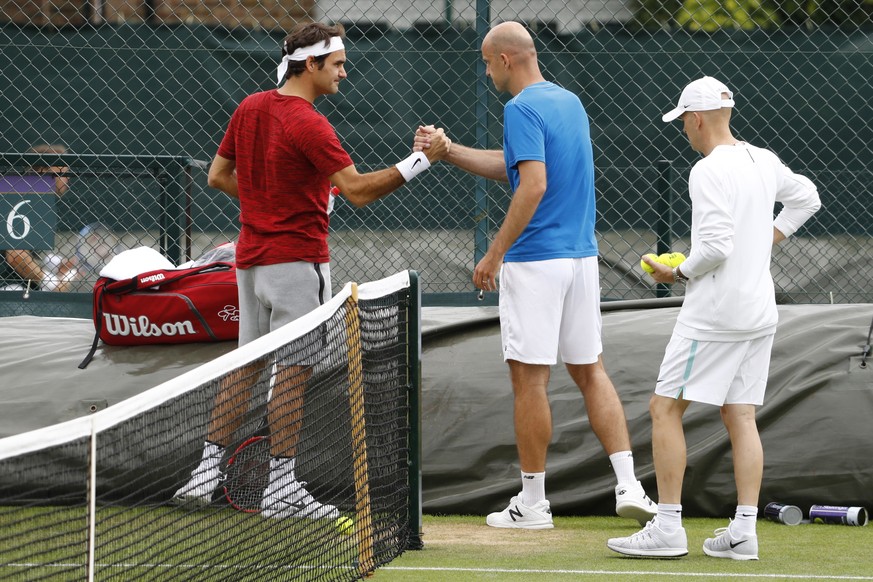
<point x="725" y="545"/>
<point x="520" y="516"/>
<point x="652" y="542"/>
<point x="291" y="499"/>
<point x="631" y="501"/>
<point x="199" y="489"/>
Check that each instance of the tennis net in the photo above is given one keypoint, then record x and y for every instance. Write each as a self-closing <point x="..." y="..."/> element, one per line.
<point x="98" y="497"/>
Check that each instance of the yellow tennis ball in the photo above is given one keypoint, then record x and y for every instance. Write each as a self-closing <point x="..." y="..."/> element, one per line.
<point x="345" y="525"/>
<point x="671" y="259"/>
<point x="646" y="266"/>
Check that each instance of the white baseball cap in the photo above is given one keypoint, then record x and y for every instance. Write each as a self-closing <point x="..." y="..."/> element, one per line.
<point x="704" y="94"/>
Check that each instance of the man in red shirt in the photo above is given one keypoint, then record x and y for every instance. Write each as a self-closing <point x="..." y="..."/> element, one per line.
<point x="279" y="157"/>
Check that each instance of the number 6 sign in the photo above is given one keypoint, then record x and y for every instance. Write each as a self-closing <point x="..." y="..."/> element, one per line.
<point x="27" y="211"/>
<point x="15" y="216"/>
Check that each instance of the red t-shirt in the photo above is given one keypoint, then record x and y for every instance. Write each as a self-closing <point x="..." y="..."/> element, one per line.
<point x="284" y="152"/>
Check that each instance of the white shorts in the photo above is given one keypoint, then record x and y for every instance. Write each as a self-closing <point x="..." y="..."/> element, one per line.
<point x="550" y="305"/>
<point x="715" y="372"/>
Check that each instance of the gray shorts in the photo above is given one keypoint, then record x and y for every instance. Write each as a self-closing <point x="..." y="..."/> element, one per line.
<point x="272" y="295"/>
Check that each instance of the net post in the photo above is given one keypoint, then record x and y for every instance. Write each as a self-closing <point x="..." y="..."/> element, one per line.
<point x="92" y="500"/>
<point x="363" y="508"/>
<point x="413" y="347"/>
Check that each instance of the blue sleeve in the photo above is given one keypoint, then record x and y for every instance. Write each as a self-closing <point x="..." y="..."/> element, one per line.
<point x="524" y="135"/>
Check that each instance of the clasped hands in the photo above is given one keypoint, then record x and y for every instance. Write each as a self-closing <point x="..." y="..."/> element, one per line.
<point x="432" y="141"/>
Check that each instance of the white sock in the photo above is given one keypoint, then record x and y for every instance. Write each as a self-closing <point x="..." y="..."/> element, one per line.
<point x="533" y="488"/>
<point x="282" y="469"/>
<point x="745" y="520"/>
<point x="623" y="465"/>
<point x="669" y="517"/>
<point x="211" y="459"/>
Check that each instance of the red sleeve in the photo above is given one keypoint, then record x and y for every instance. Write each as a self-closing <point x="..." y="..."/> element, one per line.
<point x="227" y="149"/>
<point x="323" y="148"/>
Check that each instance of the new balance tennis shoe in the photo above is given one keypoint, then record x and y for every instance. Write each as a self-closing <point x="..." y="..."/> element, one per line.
<point x="291" y="499"/>
<point x="519" y="516"/>
<point x="651" y="542"/>
<point x="631" y="501"/>
<point x="725" y="545"/>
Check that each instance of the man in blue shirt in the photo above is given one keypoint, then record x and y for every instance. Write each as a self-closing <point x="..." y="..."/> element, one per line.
<point x="545" y="253"/>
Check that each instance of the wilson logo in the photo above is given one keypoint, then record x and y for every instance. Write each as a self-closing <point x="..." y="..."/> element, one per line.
<point x="152" y="278"/>
<point x="143" y="327"/>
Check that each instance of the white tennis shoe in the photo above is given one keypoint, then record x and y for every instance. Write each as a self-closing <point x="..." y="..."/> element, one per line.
<point x="652" y="542"/>
<point x="199" y="489"/>
<point x="631" y="501"/>
<point x="520" y="516"/>
<point x="725" y="545"/>
<point x="291" y="499"/>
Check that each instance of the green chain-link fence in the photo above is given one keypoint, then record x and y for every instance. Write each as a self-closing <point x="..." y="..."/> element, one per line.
<point x="139" y="93"/>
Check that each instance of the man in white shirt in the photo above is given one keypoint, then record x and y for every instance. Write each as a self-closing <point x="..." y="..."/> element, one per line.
<point x="719" y="352"/>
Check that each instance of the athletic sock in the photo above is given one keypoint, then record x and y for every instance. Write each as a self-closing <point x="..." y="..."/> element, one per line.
<point x="211" y="459"/>
<point x="745" y="520"/>
<point x="623" y="465"/>
<point x="282" y="469"/>
<point x="669" y="517"/>
<point x="533" y="488"/>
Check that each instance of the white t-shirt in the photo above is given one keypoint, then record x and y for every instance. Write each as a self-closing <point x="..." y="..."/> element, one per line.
<point x="730" y="294"/>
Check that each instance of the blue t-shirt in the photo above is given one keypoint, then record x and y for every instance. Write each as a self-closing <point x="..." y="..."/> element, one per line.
<point x="547" y="123"/>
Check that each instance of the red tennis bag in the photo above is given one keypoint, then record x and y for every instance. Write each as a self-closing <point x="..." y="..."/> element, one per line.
<point x="198" y="304"/>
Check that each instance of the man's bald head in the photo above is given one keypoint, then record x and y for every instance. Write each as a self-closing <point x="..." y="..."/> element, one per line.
<point x="510" y="57"/>
<point x="510" y="38"/>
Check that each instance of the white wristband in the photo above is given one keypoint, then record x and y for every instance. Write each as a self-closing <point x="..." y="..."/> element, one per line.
<point x="69" y="276"/>
<point x="49" y="283"/>
<point x="52" y="282"/>
<point x="413" y="165"/>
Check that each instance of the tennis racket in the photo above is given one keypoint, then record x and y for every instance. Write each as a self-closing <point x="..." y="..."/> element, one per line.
<point x="247" y="474"/>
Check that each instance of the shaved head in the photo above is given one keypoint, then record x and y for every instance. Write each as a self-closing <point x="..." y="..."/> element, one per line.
<point x="510" y="57"/>
<point x="510" y="38"/>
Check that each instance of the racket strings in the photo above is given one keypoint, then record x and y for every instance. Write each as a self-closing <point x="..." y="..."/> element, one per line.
<point x="248" y="474"/>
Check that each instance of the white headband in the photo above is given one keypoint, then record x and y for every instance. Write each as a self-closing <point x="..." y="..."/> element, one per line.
<point x="302" y="53"/>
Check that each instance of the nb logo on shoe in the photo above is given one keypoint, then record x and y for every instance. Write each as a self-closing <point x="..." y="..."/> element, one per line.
<point x="515" y="514"/>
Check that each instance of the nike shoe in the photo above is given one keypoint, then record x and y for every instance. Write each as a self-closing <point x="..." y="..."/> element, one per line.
<point x="725" y="545"/>
<point x="198" y="491"/>
<point x="651" y="542"/>
<point x="518" y="515"/>
<point x="291" y="499"/>
<point x="631" y="501"/>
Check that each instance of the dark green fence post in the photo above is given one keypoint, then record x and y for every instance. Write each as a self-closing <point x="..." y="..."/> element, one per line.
<point x="483" y="22"/>
<point x="664" y="224"/>
<point x="171" y="177"/>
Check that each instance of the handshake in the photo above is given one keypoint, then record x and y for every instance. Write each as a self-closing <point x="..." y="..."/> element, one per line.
<point x="429" y="146"/>
<point x="432" y="140"/>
